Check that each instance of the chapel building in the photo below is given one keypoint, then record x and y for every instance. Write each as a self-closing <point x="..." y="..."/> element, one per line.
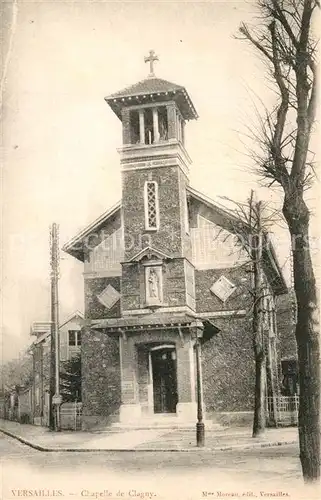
<point x="163" y="272"/>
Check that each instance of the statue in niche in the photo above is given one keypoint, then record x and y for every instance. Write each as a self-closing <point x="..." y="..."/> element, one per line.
<point x="153" y="284"/>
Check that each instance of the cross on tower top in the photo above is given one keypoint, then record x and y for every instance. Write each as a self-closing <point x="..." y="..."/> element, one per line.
<point x="151" y="59"/>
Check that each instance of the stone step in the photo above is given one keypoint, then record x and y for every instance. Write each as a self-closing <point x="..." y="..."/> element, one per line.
<point x="165" y="423"/>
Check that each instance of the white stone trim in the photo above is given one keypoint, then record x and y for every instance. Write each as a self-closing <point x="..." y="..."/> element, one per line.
<point x="183" y="309"/>
<point x="155" y="124"/>
<point x="141" y="126"/>
<point x="102" y="274"/>
<point x="187" y="412"/>
<point x="219" y="314"/>
<point x="215" y="288"/>
<point x="187" y="264"/>
<point x="150" y="387"/>
<point x="158" y="271"/>
<point x="172" y="147"/>
<point x="129" y="413"/>
<point x="186" y="216"/>
<point x="168" y="346"/>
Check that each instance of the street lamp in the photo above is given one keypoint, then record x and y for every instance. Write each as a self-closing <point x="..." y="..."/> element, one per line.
<point x="200" y="426"/>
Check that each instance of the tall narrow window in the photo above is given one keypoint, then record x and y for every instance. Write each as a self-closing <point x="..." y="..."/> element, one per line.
<point x="151" y="206"/>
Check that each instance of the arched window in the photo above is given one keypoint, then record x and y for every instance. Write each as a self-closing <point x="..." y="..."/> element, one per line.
<point x="151" y="206"/>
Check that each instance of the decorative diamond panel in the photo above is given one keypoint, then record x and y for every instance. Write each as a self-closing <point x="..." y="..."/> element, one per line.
<point x="109" y="297"/>
<point x="151" y="205"/>
<point x="223" y="288"/>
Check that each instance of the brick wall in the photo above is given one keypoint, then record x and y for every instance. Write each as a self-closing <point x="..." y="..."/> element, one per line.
<point x="285" y="327"/>
<point x="41" y="376"/>
<point x="168" y="238"/>
<point x="131" y="286"/>
<point x="207" y="301"/>
<point x="174" y="283"/>
<point x="228" y="367"/>
<point x="100" y="377"/>
<point x="94" y="309"/>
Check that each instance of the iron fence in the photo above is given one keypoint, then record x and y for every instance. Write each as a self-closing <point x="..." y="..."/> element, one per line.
<point x="70" y="415"/>
<point x="285" y="408"/>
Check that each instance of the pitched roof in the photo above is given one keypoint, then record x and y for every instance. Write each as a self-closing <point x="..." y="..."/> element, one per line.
<point x="147" y="86"/>
<point x="153" y="90"/>
<point x="76" y="314"/>
<point x="74" y="246"/>
<point x="45" y="334"/>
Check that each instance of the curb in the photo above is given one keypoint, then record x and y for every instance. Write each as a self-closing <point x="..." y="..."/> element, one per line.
<point x="156" y="450"/>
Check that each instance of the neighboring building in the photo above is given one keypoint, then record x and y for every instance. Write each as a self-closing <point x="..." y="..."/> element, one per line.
<point x="162" y="271"/>
<point x="70" y="345"/>
<point x="286" y="306"/>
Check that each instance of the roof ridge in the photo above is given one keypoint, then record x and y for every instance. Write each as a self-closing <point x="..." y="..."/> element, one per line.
<point x="148" y="80"/>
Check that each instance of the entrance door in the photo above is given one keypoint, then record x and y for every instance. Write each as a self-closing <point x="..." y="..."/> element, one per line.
<point x="164" y="380"/>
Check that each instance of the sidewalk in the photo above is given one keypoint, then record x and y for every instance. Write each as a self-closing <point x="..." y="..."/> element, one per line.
<point x="227" y="438"/>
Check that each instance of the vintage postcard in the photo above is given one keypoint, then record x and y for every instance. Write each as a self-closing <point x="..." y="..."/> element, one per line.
<point x="160" y="245"/>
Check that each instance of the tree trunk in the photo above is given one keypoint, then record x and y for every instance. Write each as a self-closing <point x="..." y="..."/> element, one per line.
<point x="259" y="404"/>
<point x="258" y="335"/>
<point x="307" y="338"/>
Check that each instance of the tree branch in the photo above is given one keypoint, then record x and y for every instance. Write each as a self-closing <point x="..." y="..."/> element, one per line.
<point x="247" y="34"/>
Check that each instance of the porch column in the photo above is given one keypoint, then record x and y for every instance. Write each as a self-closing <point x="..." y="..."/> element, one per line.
<point x="141" y="126"/>
<point x="186" y="407"/>
<point x="155" y="125"/>
<point x="130" y="408"/>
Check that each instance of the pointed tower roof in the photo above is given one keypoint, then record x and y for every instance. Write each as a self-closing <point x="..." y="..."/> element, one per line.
<point x="152" y="89"/>
<point x="147" y="86"/>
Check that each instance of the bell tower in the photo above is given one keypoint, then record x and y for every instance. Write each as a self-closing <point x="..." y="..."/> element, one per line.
<point x="155" y="169"/>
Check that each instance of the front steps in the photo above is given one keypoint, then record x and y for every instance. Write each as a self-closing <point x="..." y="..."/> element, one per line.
<point x="166" y="421"/>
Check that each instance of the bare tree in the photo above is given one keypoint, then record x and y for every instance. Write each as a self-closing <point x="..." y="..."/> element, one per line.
<point x="284" y="38"/>
<point x="251" y="227"/>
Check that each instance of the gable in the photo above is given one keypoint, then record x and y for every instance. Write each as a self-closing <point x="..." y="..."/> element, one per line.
<point x="214" y="246"/>
<point x="92" y="235"/>
<point x="218" y="215"/>
<point x="107" y="255"/>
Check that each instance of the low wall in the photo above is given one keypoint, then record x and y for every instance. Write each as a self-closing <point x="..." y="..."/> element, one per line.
<point x="231" y="418"/>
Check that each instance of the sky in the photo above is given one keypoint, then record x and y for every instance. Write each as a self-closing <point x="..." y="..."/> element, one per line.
<point x="60" y="139"/>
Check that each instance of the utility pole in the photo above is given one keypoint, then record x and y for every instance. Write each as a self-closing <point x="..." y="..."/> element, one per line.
<point x="55" y="397"/>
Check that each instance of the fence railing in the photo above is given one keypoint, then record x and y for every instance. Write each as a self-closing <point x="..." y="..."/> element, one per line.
<point x="285" y="409"/>
<point x="70" y="416"/>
